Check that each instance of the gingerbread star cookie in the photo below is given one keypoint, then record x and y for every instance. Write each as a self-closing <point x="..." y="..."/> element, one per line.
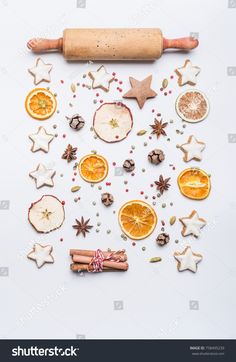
<point x="101" y="79"/>
<point x="41" y="140"/>
<point x="41" y="254"/>
<point x="141" y="90"/>
<point x="192" y="224"/>
<point x="187" y="74"/>
<point x="192" y="149"/>
<point x="41" y="71"/>
<point x="187" y="259"/>
<point x="43" y="176"/>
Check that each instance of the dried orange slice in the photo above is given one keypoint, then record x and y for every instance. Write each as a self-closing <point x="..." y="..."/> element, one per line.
<point x="192" y="106"/>
<point x="137" y="219"/>
<point x="194" y="183"/>
<point x="40" y="103"/>
<point x="93" y="168"/>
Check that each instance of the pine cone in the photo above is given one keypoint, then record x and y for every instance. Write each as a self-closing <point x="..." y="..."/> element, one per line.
<point x="76" y="122"/>
<point x="107" y="199"/>
<point x="156" y="156"/>
<point x="129" y="165"/>
<point x="163" y="239"/>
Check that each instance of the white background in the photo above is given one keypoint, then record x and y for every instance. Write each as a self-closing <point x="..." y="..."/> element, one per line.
<point x="52" y="302"/>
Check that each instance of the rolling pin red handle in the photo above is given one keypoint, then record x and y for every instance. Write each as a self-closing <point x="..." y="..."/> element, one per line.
<point x="187" y="43"/>
<point x="39" y="45"/>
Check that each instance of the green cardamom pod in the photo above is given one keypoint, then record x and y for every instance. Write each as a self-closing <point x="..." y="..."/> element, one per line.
<point x="73" y="87"/>
<point x="164" y="83"/>
<point x="75" y="188"/>
<point x="141" y="132"/>
<point x="172" y="220"/>
<point x="155" y="259"/>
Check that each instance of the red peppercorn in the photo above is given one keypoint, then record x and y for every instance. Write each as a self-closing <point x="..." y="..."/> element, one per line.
<point x="116" y="80"/>
<point x="120" y="82"/>
<point x="64" y="135"/>
<point x="161" y="89"/>
<point x="132" y="174"/>
<point x="170" y="91"/>
<point x="158" y="114"/>
<point x="141" y="192"/>
<point x="101" y="101"/>
<point x="61" y="239"/>
<point x="62" y="81"/>
<point x="133" y="243"/>
<point x="73" y="179"/>
<point x="113" y="163"/>
<point x="151" y="185"/>
<point x="165" y="94"/>
<point x="97" y="94"/>
<point x="120" y="90"/>
<point x="126" y="190"/>
<point x="171" y="77"/>
<point x="153" y="110"/>
<point x="63" y="202"/>
<point x="75" y="173"/>
<point x="113" y="74"/>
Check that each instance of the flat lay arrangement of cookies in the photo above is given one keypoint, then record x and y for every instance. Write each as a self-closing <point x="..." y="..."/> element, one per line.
<point x="117" y="140"/>
<point x="113" y="122"/>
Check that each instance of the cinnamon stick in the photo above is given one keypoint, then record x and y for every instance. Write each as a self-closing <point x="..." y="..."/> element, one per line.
<point x="118" y="256"/>
<point x="111" y="264"/>
<point x="75" y="267"/>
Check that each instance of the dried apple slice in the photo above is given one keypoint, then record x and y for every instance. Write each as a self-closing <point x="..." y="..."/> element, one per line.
<point x="46" y="214"/>
<point x="112" y="122"/>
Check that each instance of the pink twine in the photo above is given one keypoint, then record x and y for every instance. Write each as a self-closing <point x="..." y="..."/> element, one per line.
<point x="96" y="264"/>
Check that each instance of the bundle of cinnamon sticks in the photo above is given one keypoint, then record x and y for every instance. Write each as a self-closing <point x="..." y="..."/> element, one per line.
<point x="98" y="260"/>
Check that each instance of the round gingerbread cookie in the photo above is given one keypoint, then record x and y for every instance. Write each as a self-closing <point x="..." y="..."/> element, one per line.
<point x="112" y="122"/>
<point x="192" y="106"/>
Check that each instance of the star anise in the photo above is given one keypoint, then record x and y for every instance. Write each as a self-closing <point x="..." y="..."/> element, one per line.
<point x="162" y="184"/>
<point x="82" y="226"/>
<point x="69" y="153"/>
<point x="158" y="128"/>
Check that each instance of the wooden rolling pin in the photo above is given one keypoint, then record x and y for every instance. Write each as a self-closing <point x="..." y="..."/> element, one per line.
<point x="111" y="44"/>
